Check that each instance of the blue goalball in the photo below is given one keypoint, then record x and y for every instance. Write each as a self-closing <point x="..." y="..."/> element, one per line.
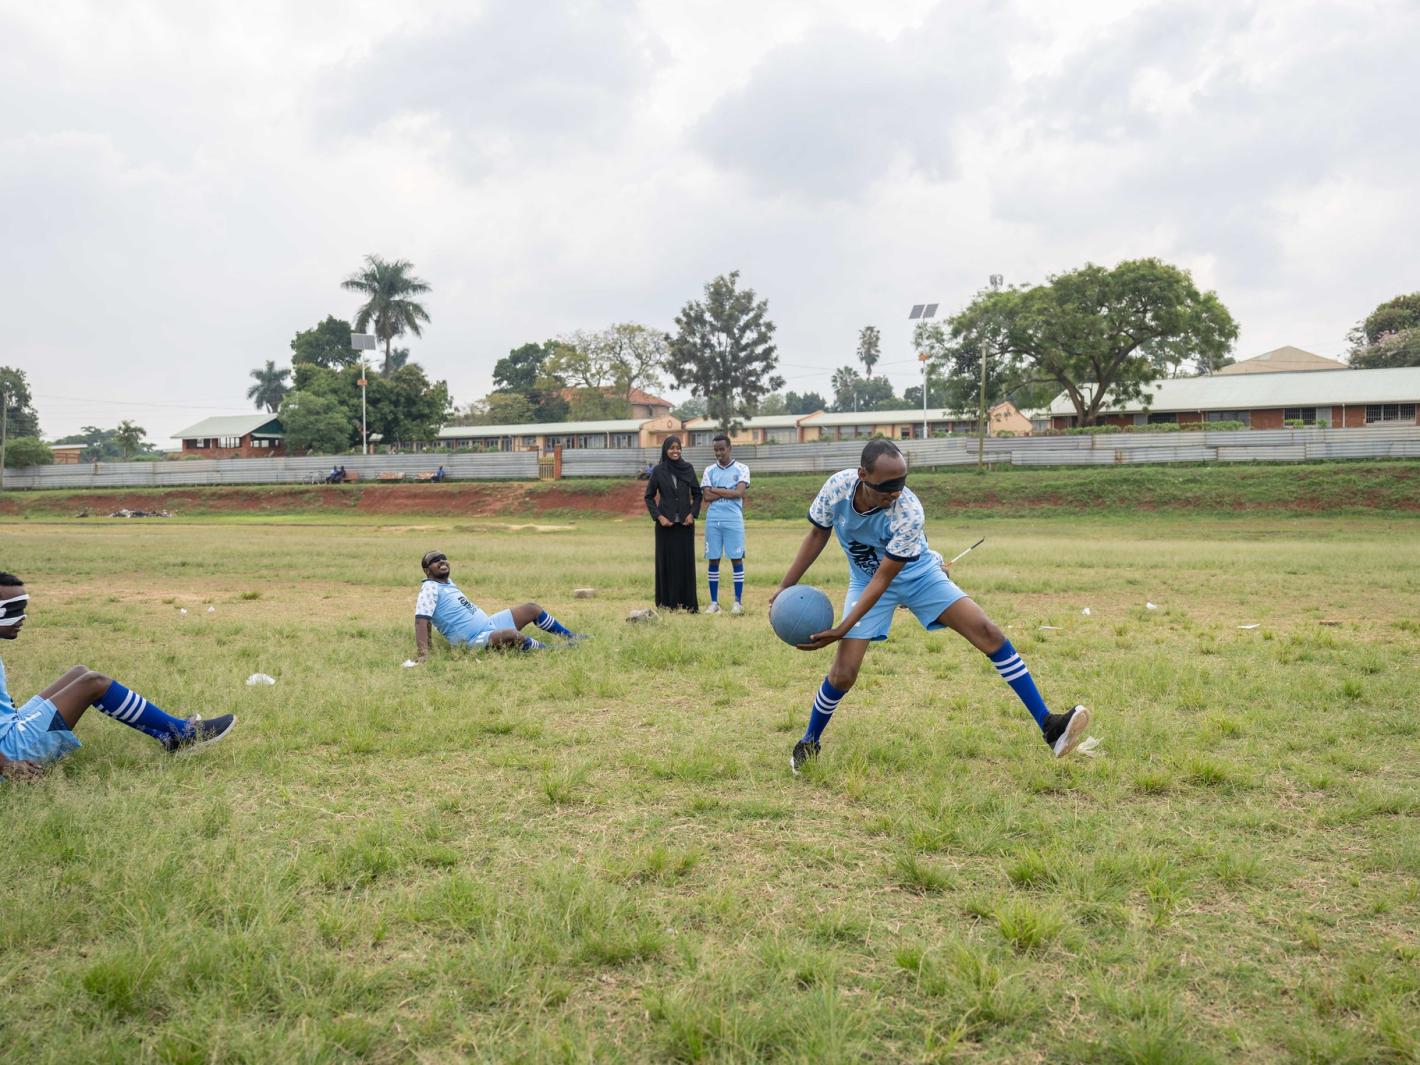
<point x="799" y="612"/>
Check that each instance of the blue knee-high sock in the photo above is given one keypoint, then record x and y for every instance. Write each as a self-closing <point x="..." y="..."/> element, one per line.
<point x="739" y="565"/>
<point x="714" y="580"/>
<point x="529" y="644"/>
<point x="137" y="712"/>
<point x="825" y="702"/>
<point x="547" y="623"/>
<point x="1014" y="672"/>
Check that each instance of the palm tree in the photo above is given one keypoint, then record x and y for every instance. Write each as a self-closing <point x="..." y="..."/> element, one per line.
<point x="395" y="360"/>
<point x="388" y="286"/>
<point x="869" y="347"/>
<point x="270" y="388"/>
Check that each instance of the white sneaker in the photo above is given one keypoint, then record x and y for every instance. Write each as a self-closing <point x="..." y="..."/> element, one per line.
<point x="713" y="608"/>
<point x="737" y="609"/>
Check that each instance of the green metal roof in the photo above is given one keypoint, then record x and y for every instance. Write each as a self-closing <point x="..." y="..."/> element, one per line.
<point x="234" y="425"/>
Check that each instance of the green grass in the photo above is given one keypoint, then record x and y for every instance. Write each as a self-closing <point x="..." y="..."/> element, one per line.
<point x="599" y="854"/>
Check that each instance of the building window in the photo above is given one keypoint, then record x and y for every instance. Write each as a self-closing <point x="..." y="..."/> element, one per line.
<point x="1305" y="415"/>
<point x="623" y="439"/>
<point x="1390" y="412"/>
<point x="529" y="441"/>
<point x="703" y="437"/>
<point x="1160" y="419"/>
<point x="230" y="441"/>
<point x="1244" y="416"/>
<point x="779" y="436"/>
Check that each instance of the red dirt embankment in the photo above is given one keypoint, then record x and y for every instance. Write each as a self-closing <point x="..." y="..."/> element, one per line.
<point x="455" y="500"/>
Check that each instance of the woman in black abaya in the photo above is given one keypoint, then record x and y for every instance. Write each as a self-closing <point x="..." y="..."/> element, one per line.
<point x="673" y="498"/>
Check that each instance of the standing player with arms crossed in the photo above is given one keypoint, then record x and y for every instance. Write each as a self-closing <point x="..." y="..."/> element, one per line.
<point x="879" y="523"/>
<point x="724" y="485"/>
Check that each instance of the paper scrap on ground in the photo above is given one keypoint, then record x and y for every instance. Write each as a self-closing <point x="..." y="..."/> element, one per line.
<point x="408" y="663"/>
<point x="1150" y="606"/>
<point x="1254" y="625"/>
<point x="1086" y="611"/>
<point x="211" y="610"/>
<point x="1089" y="747"/>
<point x="259" y="678"/>
<point x="1053" y="628"/>
<point x="182" y="610"/>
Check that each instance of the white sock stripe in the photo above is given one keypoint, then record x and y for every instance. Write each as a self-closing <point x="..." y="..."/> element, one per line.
<point x="1019" y="673"/>
<point x="826" y="711"/>
<point x="1001" y="667"/>
<point x="118" y="711"/>
<point x="137" y="711"/>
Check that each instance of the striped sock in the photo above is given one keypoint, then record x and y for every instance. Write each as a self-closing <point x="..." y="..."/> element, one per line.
<point x="529" y="644"/>
<point x="825" y="702"/>
<point x="739" y="565"/>
<point x="137" y="712"/>
<point x="1014" y="672"/>
<point x="547" y="623"/>
<point x="714" y="580"/>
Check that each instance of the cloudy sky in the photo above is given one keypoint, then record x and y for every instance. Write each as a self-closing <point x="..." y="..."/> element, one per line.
<point x="184" y="184"/>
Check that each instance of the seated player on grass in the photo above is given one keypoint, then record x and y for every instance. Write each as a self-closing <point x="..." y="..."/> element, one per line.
<point x="42" y="730"/>
<point x="447" y="609"/>
<point x="879" y="524"/>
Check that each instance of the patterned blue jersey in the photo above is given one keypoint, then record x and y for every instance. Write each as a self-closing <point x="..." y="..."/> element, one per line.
<point x="458" y="620"/>
<point x="7" y="705"/>
<point x="731" y="511"/>
<point x="894" y="532"/>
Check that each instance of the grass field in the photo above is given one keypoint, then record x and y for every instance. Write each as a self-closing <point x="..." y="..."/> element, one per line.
<point x="599" y="854"/>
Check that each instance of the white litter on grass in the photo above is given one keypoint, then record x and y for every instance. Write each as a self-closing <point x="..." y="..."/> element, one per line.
<point x="182" y="610"/>
<point x="259" y="678"/>
<point x="1086" y="611"/>
<point x="408" y="663"/>
<point x="1254" y="625"/>
<point x="211" y="610"/>
<point x="1089" y="747"/>
<point x="1050" y="628"/>
<point x="1150" y="606"/>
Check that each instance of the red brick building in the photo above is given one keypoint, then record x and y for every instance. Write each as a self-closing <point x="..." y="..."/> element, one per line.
<point x="1333" y="399"/>
<point x="234" y="436"/>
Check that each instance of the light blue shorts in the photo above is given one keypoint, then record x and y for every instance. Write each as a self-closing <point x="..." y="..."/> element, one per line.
<point x="501" y="620"/>
<point x="724" y="540"/>
<point x="37" y="733"/>
<point x="926" y="594"/>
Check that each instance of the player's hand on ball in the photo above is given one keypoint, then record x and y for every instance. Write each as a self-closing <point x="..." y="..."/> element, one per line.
<point x="820" y="640"/>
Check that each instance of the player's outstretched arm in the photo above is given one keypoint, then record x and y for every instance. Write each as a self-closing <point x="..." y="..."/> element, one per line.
<point x="887" y="570"/>
<point x="815" y="540"/>
<point x="18" y="769"/>
<point x="421" y="638"/>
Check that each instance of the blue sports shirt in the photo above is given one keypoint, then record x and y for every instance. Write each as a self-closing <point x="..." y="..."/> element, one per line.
<point x="7" y="705"/>
<point x="731" y="476"/>
<point x="894" y="532"/>
<point x="457" y="620"/>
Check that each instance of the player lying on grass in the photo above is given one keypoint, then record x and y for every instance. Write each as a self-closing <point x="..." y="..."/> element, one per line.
<point x="879" y="523"/>
<point x="42" y="730"/>
<point x="442" y="606"/>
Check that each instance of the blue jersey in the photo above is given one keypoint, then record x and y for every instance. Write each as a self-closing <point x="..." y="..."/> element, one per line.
<point x="7" y="705"/>
<point x="731" y="476"/>
<point x="457" y="620"/>
<point x="893" y="532"/>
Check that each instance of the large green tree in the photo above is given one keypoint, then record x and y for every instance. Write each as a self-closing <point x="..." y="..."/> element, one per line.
<point x="403" y="407"/>
<point x="20" y="415"/>
<point x="388" y="288"/>
<point x="724" y="350"/>
<point x="527" y="371"/>
<point x="618" y="359"/>
<point x="270" y="388"/>
<point x="1099" y="335"/>
<point x="316" y="424"/>
<point x="101" y="444"/>
<point x="955" y="351"/>
<point x="804" y="402"/>
<point x="326" y="344"/>
<point x="1389" y="335"/>
<point x="129" y="438"/>
<point x="854" y="392"/>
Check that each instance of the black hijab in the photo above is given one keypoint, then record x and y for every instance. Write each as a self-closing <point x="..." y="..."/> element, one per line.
<point x="684" y="470"/>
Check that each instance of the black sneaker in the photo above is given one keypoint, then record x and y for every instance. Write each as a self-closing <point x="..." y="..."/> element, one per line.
<point x="803" y="751"/>
<point x="202" y="734"/>
<point x="1063" y="732"/>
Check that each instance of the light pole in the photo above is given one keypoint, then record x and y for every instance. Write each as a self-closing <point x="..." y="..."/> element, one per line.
<point x="363" y="342"/>
<point x="996" y="280"/>
<point x="921" y="312"/>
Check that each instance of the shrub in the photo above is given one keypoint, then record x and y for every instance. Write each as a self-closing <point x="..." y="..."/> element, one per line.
<point x="25" y="451"/>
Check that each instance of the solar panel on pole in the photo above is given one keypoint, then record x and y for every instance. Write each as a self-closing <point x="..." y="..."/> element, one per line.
<point x="916" y="310"/>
